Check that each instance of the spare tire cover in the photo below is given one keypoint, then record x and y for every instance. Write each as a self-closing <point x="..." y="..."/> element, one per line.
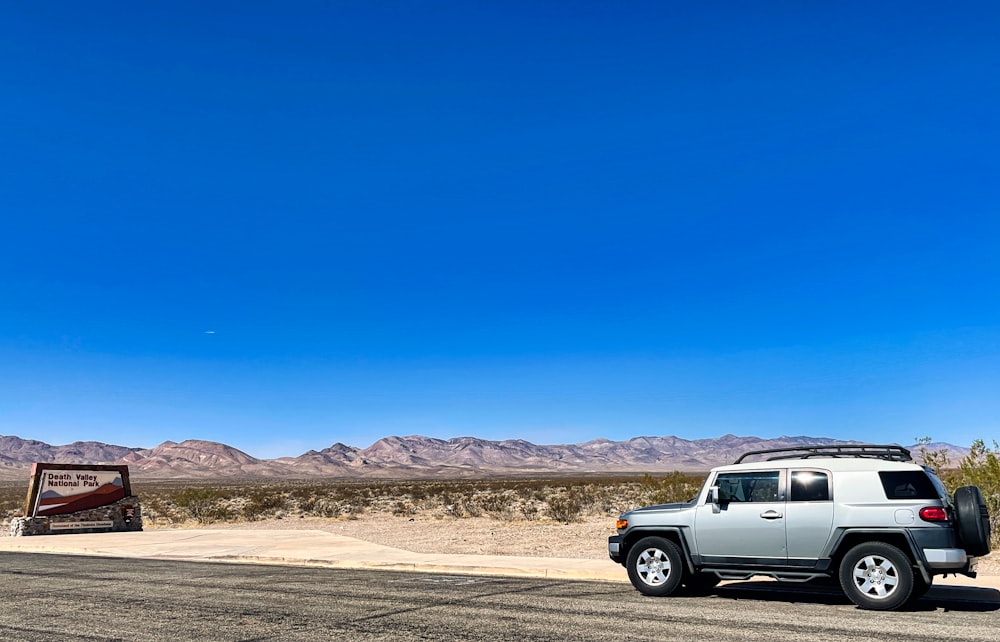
<point x="973" y="520"/>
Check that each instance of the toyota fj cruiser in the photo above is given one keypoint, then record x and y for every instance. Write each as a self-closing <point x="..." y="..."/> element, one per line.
<point x="865" y="515"/>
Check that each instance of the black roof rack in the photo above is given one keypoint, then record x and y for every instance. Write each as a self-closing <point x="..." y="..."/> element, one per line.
<point x="870" y="451"/>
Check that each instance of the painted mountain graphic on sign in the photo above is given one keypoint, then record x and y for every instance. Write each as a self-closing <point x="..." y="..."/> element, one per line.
<point x="59" y="505"/>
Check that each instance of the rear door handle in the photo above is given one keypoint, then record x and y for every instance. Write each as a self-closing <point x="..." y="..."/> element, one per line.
<point x="771" y="514"/>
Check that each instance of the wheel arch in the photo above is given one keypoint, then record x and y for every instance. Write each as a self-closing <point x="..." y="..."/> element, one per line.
<point x="901" y="539"/>
<point x="678" y="535"/>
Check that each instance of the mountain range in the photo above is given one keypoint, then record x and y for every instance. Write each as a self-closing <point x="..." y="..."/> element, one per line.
<point x="410" y="457"/>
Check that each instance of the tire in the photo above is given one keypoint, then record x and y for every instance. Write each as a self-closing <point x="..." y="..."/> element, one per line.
<point x="877" y="576"/>
<point x="700" y="583"/>
<point x="973" y="520"/>
<point x="655" y="566"/>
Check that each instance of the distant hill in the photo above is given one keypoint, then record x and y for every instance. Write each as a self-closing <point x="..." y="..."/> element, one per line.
<point x="414" y="456"/>
<point x="14" y="450"/>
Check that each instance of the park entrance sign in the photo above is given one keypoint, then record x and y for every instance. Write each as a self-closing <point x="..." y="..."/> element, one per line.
<point x="78" y="498"/>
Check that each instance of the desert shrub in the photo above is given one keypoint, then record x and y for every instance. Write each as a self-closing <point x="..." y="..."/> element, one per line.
<point x="461" y="505"/>
<point x="471" y="507"/>
<point x="565" y="507"/>
<point x="404" y="508"/>
<point x="154" y="509"/>
<point x="499" y="504"/>
<point x="318" y="507"/>
<point x="205" y="505"/>
<point x="674" y="487"/>
<point x="308" y="505"/>
<point x="981" y="467"/>
<point x="262" y="502"/>
<point x="12" y="500"/>
<point x="11" y="505"/>
<point x="937" y="461"/>
<point x="351" y="510"/>
<point x="453" y="509"/>
<point x="421" y="492"/>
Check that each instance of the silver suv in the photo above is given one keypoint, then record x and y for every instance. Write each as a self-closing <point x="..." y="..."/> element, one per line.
<point x="863" y="514"/>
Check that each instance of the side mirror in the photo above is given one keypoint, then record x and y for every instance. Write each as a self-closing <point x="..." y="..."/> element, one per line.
<point x="714" y="499"/>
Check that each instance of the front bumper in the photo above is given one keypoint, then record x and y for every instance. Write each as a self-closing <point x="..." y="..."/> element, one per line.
<point x="615" y="548"/>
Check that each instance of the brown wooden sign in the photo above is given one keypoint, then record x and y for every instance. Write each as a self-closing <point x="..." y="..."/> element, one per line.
<point x="60" y="489"/>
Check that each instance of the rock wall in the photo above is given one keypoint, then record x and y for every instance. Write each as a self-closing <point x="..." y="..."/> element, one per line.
<point x="123" y="515"/>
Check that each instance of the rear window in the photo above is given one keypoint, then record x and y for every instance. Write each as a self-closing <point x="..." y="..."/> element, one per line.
<point x="908" y="484"/>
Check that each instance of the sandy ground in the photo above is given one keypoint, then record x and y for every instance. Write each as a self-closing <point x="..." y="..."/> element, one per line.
<point x="587" y="539"/>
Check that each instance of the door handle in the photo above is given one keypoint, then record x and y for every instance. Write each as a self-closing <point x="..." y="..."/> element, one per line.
<point x="771" y="514"/>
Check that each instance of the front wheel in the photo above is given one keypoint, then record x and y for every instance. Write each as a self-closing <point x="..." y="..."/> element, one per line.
<point x="654" y="566"/>
<point x="876" y="576"/>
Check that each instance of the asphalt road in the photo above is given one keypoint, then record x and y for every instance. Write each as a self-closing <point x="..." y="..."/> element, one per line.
<point x="56" y="597"/>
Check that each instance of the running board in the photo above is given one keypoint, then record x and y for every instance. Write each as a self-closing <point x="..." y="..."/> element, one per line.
<point x="729" y="574"/>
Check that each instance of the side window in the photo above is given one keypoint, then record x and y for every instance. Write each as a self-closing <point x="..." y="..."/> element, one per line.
<point x="908" y="484"/>
<point x="758" y="486"/>
<point x="810" y="486"/>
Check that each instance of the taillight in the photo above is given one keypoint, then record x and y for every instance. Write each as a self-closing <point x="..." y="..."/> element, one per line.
<point x="933" y="514"/>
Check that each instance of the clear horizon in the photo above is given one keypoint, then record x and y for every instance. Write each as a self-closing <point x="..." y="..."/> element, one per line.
<point x="281" y="228"/>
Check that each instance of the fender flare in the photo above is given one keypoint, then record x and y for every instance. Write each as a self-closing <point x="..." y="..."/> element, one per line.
<point x="682" y="534"/>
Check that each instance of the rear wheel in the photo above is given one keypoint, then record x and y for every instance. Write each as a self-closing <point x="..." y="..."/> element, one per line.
<point x="654" y="566"/>
<point x="876" y="576"/>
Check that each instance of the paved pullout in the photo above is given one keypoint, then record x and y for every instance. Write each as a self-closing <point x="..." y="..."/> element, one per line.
<point x="319" y="548"/>
<point x="314" y="548"/>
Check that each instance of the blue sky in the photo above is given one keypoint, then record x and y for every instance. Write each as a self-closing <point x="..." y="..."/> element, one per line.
<point x="284" y="225"/>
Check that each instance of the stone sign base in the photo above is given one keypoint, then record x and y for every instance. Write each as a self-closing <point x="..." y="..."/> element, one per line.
<point x="123" y="515"/>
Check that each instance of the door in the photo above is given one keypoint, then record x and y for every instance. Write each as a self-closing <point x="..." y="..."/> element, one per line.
<point x="808" y="515"/>
<point x="750" y="527"/>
